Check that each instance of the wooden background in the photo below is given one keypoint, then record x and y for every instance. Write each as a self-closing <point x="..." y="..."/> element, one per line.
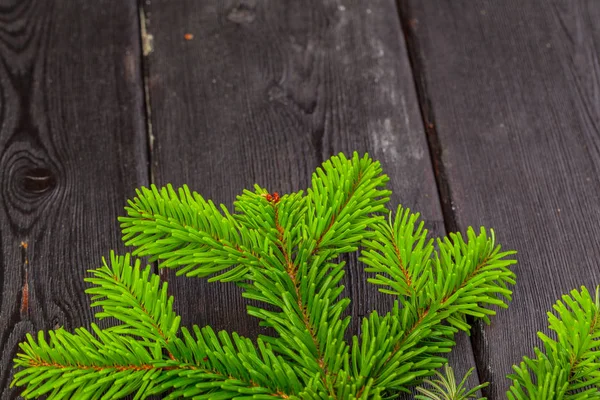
<point x="482" y="113"/>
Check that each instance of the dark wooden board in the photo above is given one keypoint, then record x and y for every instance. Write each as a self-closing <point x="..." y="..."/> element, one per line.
<point x="72" y="149"/>
<point x="512" y="89"/>
<point x="264" y="91"/>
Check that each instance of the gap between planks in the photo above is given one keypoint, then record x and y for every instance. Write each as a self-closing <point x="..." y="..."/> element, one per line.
<point x="407" y="23"/>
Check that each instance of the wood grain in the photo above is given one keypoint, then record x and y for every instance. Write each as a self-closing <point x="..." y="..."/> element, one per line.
<point x="72" y="149"/>
<point x="513" y="90"/>
<point x="264" y="91"/>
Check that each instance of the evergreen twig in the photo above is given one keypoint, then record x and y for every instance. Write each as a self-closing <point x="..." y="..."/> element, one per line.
<point x="283" y="251"/>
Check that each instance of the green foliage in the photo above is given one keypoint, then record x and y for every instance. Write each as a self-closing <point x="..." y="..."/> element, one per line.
<point x="445" y="387"/>
<point x="569" y="366"/>
<point x="284" y="253"/>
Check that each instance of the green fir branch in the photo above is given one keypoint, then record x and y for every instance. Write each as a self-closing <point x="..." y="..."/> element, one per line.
<point x="298" y="277"/>
<point x="569" y="365"/>
<point x="283" y="251"/>
<point x="186" y="232"/>
<point x="135" y="297"/>
<point x="464" y="277"/>
<point x="147" y="354"/>
<point x="400" y="256"/>
<point x="85" y="365"/>
<point x="344" y="200"/>
<point x="445" y="387"/>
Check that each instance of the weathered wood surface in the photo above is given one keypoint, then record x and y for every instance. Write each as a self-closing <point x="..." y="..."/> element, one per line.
<point x="511" y="90"/>
<point x="263" y="93"/>
<point x="72" y="149"/>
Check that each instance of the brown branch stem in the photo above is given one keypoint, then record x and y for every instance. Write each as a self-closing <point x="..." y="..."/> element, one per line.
<point x="291" y="270"/>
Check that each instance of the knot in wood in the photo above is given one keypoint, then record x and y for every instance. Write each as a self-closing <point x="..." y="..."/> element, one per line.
<point x="37" y="180"/>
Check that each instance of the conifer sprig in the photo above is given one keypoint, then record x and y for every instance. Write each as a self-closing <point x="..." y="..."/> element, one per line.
<point x="436" y="290"/>
<point x="147" y="354"/>
<point x="446" y="388"/>
<point x="569" y="365"/>
<point x="282" y="250"/>
<point x="136" y="298"/>
<point x="182" y="230"/>
<point x="345" y="198"/>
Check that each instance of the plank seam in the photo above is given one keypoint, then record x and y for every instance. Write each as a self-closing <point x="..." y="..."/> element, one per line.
<point x="146" y="46"/>
<point x="428" y="117"/>
<point x="408" y="23"/>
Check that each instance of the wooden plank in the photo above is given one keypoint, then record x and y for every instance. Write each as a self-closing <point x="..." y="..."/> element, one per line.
<point x="245" y="92"/>
<point x="511" y="90"/>
<point x="72" y="149"/>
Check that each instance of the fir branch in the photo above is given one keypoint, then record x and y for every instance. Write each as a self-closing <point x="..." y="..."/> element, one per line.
<point x="282" y="251"/>
<point x="345" y="193"/>
<point x="185" y="231"/>
<point x="309" y="325"/>
<point x="344" y="199"/>
<point x="400" y="256"/>
<point x="569" y="366"/>
<point x="84" y="366"/>
<point x="136" y="298"/>
<point x="144" y="355"/>
<point x="227" y="365"/>
<point x="467" y="277"/>
<point x="471" y="275"/>
<point x="112" y="366"/>
<point x="445" y="387"/>
<point x="278" y="284"/>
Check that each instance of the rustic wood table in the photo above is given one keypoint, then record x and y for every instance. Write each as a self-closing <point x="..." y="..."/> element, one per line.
<point x="482" y="112"/>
